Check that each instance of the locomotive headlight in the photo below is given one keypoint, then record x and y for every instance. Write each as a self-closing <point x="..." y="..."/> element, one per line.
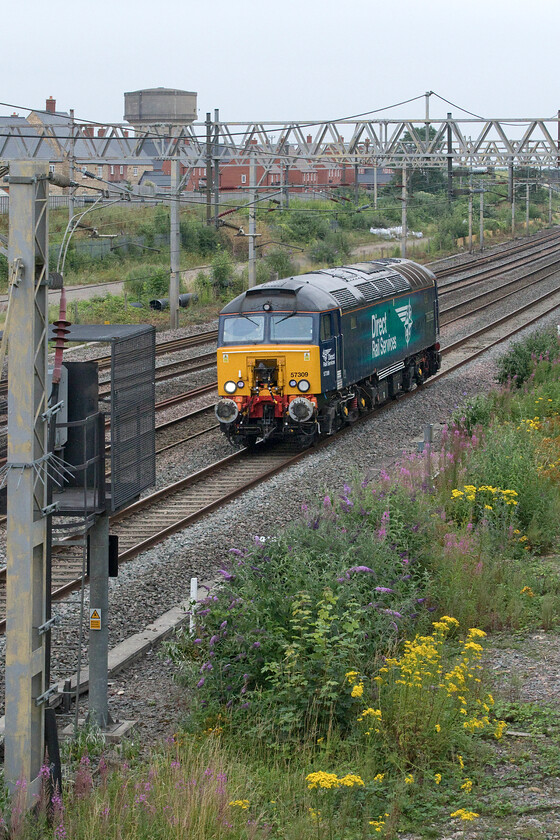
<point x="226" y="411"/>
<point x="300" y="409"/>
<point x="303" y="386"/>
<point x="240" y="384"/>
<point x="293" y="383"/>
<point x="230" y="387"/>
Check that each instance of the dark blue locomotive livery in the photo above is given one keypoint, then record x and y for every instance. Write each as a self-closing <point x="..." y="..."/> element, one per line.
<point x="305" y="355"/>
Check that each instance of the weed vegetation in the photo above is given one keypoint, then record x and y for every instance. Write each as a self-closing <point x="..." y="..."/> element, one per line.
<point x="336" y="671"/>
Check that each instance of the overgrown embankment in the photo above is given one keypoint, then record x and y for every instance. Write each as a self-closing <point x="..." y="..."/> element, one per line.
<point x="336" y="679"/>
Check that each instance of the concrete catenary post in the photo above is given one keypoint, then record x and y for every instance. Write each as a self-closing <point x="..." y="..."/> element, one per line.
<point x="26" y="631"/>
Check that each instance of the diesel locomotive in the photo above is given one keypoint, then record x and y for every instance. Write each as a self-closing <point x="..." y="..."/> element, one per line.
<point x="303" y="356"/>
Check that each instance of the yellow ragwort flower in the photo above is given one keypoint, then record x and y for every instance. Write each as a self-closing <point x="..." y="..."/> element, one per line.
<point x="464" y="815"/>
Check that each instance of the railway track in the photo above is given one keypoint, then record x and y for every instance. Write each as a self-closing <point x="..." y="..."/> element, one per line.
<point x="171" y="509"/>
<point x="165" y="348"/>
<point x="546" y="240"/>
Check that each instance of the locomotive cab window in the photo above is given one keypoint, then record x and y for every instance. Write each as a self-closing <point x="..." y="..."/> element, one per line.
<point x="241" y="328"/>
<point x="326" y="327"/>
<point x="353" y="322"/>
<point x="291" y="328"/>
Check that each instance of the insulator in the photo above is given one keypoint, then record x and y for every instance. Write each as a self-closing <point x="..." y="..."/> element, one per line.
<point x="60" y="329"/>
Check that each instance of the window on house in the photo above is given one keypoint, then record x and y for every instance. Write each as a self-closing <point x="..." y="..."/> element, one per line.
<point x="135" y="170"/>
<point x="51" y="167"/>
<point x="100" y="171"/>
<point x="121" y="170"/>
<point x="243" y="179"/>
<point x="112" y="170"/>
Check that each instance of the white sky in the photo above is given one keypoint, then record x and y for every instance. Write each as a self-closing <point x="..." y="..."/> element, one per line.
<point x="290" y="60"/>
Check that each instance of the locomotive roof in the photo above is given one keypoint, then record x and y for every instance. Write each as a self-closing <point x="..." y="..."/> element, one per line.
<point x="347" y="287"/>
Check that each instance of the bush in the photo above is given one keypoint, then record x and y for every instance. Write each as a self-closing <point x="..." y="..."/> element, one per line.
<point x="222" y="270"/>
<point x="146" y="283"/>
<point x="306" y="225"/>
<point x="204" y="288"/>
<point x="333" y="249"/>
<point x="295" y="613"/>
<point x="518" y="363"/>
<point x="280" y="261"/>
<point x="198" y="237"/>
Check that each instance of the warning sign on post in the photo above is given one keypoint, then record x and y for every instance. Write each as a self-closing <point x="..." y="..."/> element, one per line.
<point x="95" y="619"/>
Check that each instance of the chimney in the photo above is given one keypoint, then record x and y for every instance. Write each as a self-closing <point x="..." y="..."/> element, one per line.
<point x="309" y="138"/>
<point x="88" y="130"/>
<point x="51" y="105"/>
<point x="101" y="132"/>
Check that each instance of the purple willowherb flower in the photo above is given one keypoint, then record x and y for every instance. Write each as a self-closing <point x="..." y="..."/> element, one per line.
<point x="347" y="489"/>
<point x="383" y="589"/>
<point x="392" y="612"/>
<point x="200" y="683"/>
<point x="256" y="644"/>
<point x="420" y="600"/>
<point x="382" y="533"/>
<point x="244" y="705"/>
<point x="244" y="690"/>
<point x="304" y="508"/>
<point x="327" y="502"/>
<point x="226" y="575"/>
<point x="223" y="625"/>
<point x="197" y="641"/>
<point x="206" y="667"/>
<point x="213" y="640"/>
<point x="236" y="551"/>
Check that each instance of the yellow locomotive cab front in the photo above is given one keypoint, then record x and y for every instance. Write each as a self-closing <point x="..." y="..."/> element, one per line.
<point x="288" y="371"/>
